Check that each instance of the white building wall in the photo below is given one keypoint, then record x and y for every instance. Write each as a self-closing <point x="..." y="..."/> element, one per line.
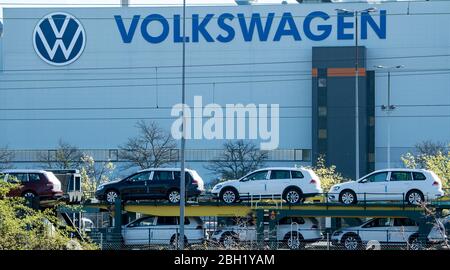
<point x="83" y="103"/>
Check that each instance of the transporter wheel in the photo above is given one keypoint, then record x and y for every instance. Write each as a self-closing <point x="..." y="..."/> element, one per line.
<point x="351" y="241"/>
<point x="347" y="197"/>
<point x="414" y="242"/>
<point x="293" y="195"/>
<point x="111" y="196"/>
<point x="173" y="196"/>
<point x="229" y="196"/>
<point x="229" y="240"/>
<point x="414" y="197"/>
<point x="294" y="240"/>
<point x="29" y="195"/>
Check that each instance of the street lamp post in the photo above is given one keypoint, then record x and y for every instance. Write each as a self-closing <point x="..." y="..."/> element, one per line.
<point x="183" y="135"/>
<point x="388" y="109"/>
<point x="355" y="13"/>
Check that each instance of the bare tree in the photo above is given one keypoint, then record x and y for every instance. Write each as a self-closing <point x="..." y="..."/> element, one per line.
<point x="238" y="159"/>
<point x="95" y="173"/>
<point x="66" y="156"/>
<point x="6" y="157"/>
<point x="430" y="148"/>
<point x="424" y="151"/>
<point x="151" y="148"/>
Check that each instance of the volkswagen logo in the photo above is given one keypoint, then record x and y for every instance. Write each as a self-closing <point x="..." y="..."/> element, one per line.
<point x="59" y="39"/>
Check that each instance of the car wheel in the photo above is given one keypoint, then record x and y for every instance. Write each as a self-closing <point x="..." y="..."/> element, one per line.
<point x="229" y="196"/>
<point x="414" y="197"/>
<point x="29" y="195"/>
<point x="293" y="196"/>
<point x="294" y="240"/>
<point x="351" y="242"/>
<point x="229" y="240"/>
<point x="174" y="239"/>
<point x="347" y="197"/>
<point x="174" y="196"/>
<point x="414" y="243"/>
<point x="111" y="196"/>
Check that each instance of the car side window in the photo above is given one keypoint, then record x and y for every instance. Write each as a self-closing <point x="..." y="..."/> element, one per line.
<point x="418" y="176"/>
<point x="18" y="178"/>
<point x="401" y="222"/>
<point x="290" y="220"/>
<point x="149" y="221"/>
<point x="186" y="221"/>
<point x="297" y="175"/>
<point x="176" y="176"/>
<point x="143" y="176"/>
<point x="163" y="176"/>
<point x="377" y="177"/>
<point x="401" y="176"/>
<point x="378" y="222"/>
<point x="34" y="177"/>
<point x="166" y="221"/>
<point x="280" y="174"/>
<point x="262" y="175"/>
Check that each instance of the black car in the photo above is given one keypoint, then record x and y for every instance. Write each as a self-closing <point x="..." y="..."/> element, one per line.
<point x="151" y="184"/>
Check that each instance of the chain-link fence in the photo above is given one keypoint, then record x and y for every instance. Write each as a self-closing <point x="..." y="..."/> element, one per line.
<point x="285" y="237"/>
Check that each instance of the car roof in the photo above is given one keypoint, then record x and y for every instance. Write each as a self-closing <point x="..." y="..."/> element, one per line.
<point x="284" y="168"/>
<point x="400" y="170"/>
<point x="165" y="169"/>
<point x="24" y="171"/>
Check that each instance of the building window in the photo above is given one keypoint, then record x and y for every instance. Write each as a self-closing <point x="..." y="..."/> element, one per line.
<point x="306" y="155"/>
<point x="322" y="82"/>
<point x="51" y="155"/>
<point x="113" y="155"/>
<point x="322" y="133"/>
<point x="371" y="121"/>
<point x="322" y="111"/>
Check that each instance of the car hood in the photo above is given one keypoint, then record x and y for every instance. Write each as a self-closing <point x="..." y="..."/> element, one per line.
<point x="343" y="185"/>
<point x="228" y="183"/>
<point x="110" y="183"/>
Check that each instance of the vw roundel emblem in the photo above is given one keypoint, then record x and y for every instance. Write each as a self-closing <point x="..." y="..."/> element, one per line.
<point x="59" y="39"/>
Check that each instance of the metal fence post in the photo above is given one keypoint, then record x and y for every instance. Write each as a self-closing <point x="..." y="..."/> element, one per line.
<point x="260" y="228"/>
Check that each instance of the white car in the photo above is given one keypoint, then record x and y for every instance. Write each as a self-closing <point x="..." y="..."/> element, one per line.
<point x="291" y="184"/>
<point x="154" y="230"/>
<point x="411" y="185"/>
<point x="386" y="231"/>
<point x="294" y="232"/>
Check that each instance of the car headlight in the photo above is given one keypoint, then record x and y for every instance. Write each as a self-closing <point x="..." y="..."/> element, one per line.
<point x="217" y="187"/>
<point x="337" y="188"/>
<point x="336" y="233"/>
<point x="100" y="187"/>
<point x="217" y="232"/>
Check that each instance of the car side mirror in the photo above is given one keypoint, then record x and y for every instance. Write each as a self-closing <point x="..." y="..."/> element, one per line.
<point x="245" y="179"/>
<point x="363" y="181"/>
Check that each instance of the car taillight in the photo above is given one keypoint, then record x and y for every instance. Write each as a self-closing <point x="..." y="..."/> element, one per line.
<point x="50" y="185"/>
<point x="195" y="182"/>
<point x="435" y="183"/>
<point x="199" y="227"/>
<point x="314" y="227"/>
<point x="313" y="181"/>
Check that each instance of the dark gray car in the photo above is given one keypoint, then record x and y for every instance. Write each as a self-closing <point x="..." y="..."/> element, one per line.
<point x="163" y="183"/>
